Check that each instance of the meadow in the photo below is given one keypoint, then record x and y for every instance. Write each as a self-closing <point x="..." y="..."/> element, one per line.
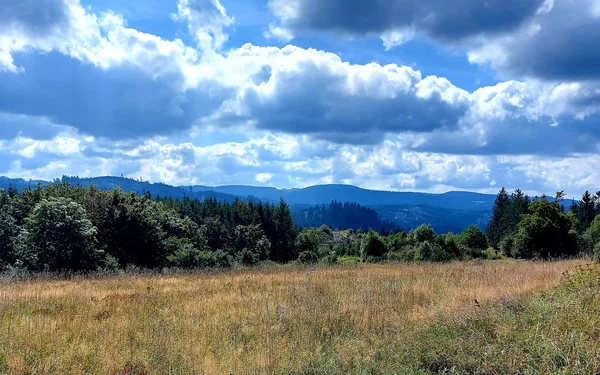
<point x="460" y="317"/>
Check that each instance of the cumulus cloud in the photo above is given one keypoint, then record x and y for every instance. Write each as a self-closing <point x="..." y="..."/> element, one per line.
<point x="206" y="20"/>
<point x="544" y="39"/>
<point x="102" y="77"/>
<point x="438" y="19"/>
<point x="263" y="177"/>
<point x="83" y="93"/>
<point x="313" y="92"/>
<point x="560" y="43"/>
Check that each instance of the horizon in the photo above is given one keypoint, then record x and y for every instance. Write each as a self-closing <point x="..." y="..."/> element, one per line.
<point x="567" y="197"/>
<point x="412" y="97"/>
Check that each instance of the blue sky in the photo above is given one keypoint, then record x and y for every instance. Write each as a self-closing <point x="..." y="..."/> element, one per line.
<point x="412" y="95"/>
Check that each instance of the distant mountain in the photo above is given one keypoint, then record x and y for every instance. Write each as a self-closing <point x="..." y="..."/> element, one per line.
<point x="127" y="184"/>
<point x="442" y="220"/>
<point x="324" y="194"/>
<point x="20" y="183"/>
<point x="451" y="211"/>
<point x="448" y="212"/>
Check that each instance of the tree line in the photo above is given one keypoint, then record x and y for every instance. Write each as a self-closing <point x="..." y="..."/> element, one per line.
<point x="62" y="227"/>
<point x="541" y="227"/>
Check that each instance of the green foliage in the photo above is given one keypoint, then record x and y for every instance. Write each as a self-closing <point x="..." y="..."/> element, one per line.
<point x="58" y="236"/>
<point x="342" y="216"/>
<point x="593" y="232"/>
<point x="432" y="252"/>
<point x="372" y="247"/>
<point x="506" y="215"/>
<point x="282" y="245"/>
<point x="452" y="246"/>
<point x="348" y="260"/>
<point x="507" y="245"/>
<point x="421" y="234"/>
<point x="315" y="244"/>
<point x="190" y="257"/>
<point x="545" y="233"/>
<point x="252" y="243"/>
<point x="473" y="238"/>
<point x="138" y="231"/>
<point x="9" y="230"/>
<point x="128" y="230"/>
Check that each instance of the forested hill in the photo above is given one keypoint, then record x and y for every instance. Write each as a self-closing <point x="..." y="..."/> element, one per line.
<point x="340" y="215"/>
<point x="155" y="189"/>
<point x="453" y="211"/>
<point x="324" y="194"/>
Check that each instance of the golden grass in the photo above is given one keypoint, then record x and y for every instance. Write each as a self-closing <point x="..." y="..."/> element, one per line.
<point x="281" y="320"/>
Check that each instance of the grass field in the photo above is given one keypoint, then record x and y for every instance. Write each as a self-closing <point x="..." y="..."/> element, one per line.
<point x="488" y="317"/>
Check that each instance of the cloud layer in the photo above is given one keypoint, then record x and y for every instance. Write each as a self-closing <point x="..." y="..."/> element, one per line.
<point x="83" y="93"/>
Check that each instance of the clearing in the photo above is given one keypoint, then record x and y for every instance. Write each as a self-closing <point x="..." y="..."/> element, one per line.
<point x="490" y="316"/>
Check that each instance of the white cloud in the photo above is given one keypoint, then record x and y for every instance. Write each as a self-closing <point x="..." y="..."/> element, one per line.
<point x="280" y="33"/>
<point x="263" y="177"/>
<point x="206" y="20"/>
<point x="307" y="116"/>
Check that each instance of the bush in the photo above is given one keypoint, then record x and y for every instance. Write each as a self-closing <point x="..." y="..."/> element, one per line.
<point x="592" y="235"/>
<point x="473" y="238"/>
<point x="308" y="257"/>
<point x="507" y="244"/>
<point x="405" y="255"/>
<point x="421" y="234"/>
<point x="58" y="236"/>
<point x="545" y="233"/>
<point x="431" y="252"/>
<point x="373" y="247"/>
<point x="190" y="257"/>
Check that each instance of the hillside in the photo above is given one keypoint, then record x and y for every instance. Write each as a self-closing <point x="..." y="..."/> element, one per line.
<point x="340" y="215"/>
<point x="324" y="194"/>
<point x="448" y="212"/>
<point x="452" y="211"/>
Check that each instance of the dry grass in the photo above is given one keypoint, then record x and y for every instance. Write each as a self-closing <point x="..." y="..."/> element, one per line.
<point x="285" y="320"/>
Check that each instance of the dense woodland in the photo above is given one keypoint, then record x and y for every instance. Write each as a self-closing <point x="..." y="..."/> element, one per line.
<point x="62" y="227"/>
<point x="542" y="227"/>
<point x="338" y="215"/>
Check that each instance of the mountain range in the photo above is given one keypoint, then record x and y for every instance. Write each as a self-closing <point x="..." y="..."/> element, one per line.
<point x="447" y="212"/>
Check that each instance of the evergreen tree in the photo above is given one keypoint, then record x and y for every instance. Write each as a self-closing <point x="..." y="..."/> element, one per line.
<point x="282" y="247"/>
<point x="497" y="225"/>
<point x="586" y="210"/>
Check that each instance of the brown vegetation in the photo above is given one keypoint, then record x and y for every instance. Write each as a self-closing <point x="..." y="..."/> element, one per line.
<point x="280" y="320"/>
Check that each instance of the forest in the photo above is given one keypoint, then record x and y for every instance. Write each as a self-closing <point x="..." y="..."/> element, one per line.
<point x="338" y="215"/>
<point x="63" y="228"/>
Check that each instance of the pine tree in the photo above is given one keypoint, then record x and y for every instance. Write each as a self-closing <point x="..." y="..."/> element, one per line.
<point x="282" y="248"/>
<point x="496" y="227"/>
<point x="586" y="210"/>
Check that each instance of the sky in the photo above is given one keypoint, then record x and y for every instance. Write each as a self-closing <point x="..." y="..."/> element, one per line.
<point x="403" y="95"/>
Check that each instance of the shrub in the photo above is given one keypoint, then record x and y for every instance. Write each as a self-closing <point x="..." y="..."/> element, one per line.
<point x="473" y="238"/>
<point x="432" y="252"/>
<point x="422" y="233"/>
<point x="58" y="236"/>
<point x="372" y="247"/>
<point x="507" y="244"/>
